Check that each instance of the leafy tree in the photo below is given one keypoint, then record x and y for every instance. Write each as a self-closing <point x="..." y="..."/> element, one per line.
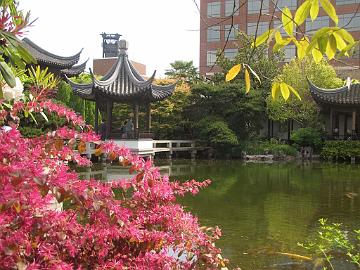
<point x="168" y="118"/>
<point x="328" y="41"/>
<point x="296" y="73"/>
<point x="184" y="71"/>
<point x="84" y="107"/>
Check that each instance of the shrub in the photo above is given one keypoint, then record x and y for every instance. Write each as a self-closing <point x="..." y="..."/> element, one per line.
<point x="134" y="224"/>
<point x="269" y="147"/>
<point x="307" y="137"/>
<point x="340" y="150"/>
<point x="216" y="132"/>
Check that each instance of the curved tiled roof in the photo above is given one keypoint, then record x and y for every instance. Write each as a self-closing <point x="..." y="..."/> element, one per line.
<point x="346" y="95"/>
<point x="124" y="83"/>
<point x="47" y="58"/>
<point x="74" y="70"/>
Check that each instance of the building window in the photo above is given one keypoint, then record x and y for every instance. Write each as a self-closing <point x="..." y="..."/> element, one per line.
<point x="211" y="58"/>
<point x="320" y="22"/>
<point x="277" y="24"/>
<point x="213" y="33"/>
<point x="254" y="6"/>
<point x="290" y="52"/>
<point x="232" y="7"/>
<point x="346" y="2"/>
<point x="231" y="31"/>
<point x="291" y="4"/>
<point x="350" y="22"/>
<point x="262" y="27"/>
<point x="230" y="53"/>
<point x="213" y="9"/>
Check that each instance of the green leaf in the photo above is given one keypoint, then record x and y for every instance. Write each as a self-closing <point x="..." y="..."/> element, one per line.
<point x="284" y="91"/>
<point x="294" y="91"/>
<point x="314" y="40"/>
<point x="302" y="12"/>
<point x="301" y="46"/>
<point x="247" y="80"/>
<point x="322" y="43"/>
<point x="331" y="47"/>
<point x="262" y="38"/>
<point x="7" y="74"/>
<point x="340" y="43"/>
<point x="33" y="118"/>
<point x="287" y="22"/>
<point x="233" y="72"/>
<point x="330" y="10"/>
<point x="1" y="93"/>
<point x="278" y="37"/>
<point x="314" y="11"/>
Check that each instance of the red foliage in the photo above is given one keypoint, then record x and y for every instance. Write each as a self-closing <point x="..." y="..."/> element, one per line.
<point x="132" y="224"/>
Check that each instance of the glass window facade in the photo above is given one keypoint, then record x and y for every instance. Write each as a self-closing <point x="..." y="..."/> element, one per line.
<point x="347" y="2"/>
<point x="290" y="52"/>
<point x="320" y="22"/>
<point x="213" y="9"/>
<point x="210" y="58"/>
<point x="213" y="33"/>
<point x="251" y="28"/>
<point x="230" y="53"/>
<point x="254" y="6"/>
<point x="350" y="22"/>
<point x="231" y="32"/>
<point x="291" y="4"/>
<point x="232" y="7"/>
<point x="278" y="23"/>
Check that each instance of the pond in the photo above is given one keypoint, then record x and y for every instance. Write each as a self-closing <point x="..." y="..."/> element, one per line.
<point x="263" y="209"/>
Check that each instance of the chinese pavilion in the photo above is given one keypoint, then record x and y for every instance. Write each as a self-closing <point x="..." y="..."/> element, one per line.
<point x="122" y="84"/>
<point x="342" y="107"/>
<point x="58" y="65"/>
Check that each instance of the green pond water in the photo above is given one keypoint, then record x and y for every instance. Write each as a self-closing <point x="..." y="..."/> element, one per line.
<point x="267" y="208"/>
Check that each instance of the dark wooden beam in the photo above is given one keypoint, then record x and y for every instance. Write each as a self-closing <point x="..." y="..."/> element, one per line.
<point x="96" y="118"/>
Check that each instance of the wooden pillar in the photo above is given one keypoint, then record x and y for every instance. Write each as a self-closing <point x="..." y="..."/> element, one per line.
<point x="96" y="118"/>
<point x="136" y="121"/>
<point x="353" y="121"/>
<point x="108" y="118"/>
<point x="269" y="127"/>
<point x="331" y="123"/>
<point x="272" y="128"/>
<point x="148" y="117"/>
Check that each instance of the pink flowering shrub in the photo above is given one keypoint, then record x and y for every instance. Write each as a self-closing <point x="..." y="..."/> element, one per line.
<point x="125" y="224"/>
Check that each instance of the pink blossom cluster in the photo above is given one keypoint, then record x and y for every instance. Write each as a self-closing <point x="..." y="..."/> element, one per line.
<point x="134" y="224"/>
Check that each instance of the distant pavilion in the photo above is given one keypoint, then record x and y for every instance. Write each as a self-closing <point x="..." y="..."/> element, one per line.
<point x="341" y="105"/>
<point x="59" y="65"/>
<point x="122" y="84"/>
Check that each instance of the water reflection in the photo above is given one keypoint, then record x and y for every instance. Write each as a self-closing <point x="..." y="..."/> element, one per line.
<point x="266" y="208"/>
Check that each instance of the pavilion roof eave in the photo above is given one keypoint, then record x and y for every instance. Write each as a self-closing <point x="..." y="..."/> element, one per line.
<point x="41" y="55"/>
<point x="342" y="96"/>
<point x="85" y="91"/>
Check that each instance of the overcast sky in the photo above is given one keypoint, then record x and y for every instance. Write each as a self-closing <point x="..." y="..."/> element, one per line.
<point x="158" y="31"/>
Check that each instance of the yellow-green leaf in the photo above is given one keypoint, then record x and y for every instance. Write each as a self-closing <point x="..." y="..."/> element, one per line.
<point x="330" y="10"/>
<point x="317" y="55"/>
<point x="301" y="46"/>
<point x="302" y="12"/>
<point x="294" y="91"/>
<point x="247" y="80"/>
<point x="331" y="47"/>
<point x="233" y="72"/>
<point x="274" y="89"/>
<point x="345" y="35"/>
<point x="278" y="37"/>
<point x="340" y="43"/>
<point x="287" y="22"/>
<point x="314" y="10"/>
<point x="262" y="38"/>
<point x="284" y="91"/>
